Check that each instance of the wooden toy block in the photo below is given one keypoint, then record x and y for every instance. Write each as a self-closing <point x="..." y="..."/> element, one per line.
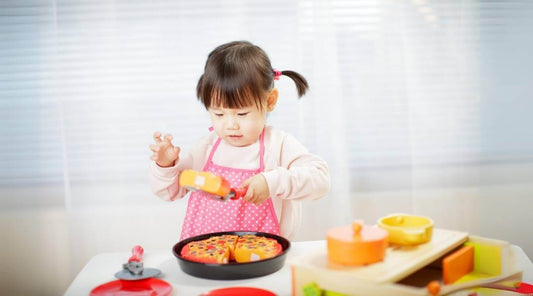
<point x="458" y="264"/>
<point x="487" y="258"/>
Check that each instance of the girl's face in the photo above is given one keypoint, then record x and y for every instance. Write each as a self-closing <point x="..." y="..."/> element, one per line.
<point x="238" y="127"/>
<point x="241" y="126"/>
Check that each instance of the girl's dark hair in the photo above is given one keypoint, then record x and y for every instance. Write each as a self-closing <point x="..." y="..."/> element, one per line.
<point x="238" y="74"/>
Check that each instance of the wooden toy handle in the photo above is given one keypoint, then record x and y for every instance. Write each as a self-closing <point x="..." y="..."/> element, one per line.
<point x="448" y="289"/>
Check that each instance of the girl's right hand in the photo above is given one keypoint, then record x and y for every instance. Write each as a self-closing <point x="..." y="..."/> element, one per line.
<point x="164" y="153"/>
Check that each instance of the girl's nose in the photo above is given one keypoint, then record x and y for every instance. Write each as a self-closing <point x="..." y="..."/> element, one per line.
<point x="233" y="123"/>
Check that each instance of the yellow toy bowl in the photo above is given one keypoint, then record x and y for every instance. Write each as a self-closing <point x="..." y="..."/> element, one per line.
<point x="407" y="229"/>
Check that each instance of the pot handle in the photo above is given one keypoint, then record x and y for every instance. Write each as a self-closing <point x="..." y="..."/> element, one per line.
<point x="414" y="236"/>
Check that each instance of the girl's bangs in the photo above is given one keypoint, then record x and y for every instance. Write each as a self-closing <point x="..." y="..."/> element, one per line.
<point x="234" y="98"/>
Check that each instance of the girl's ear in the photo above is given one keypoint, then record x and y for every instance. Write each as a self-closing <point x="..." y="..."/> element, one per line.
<point x="272" y="99"/>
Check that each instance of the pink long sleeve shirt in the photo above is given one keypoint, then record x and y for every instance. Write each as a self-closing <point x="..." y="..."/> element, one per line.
<point x="292" y="173"/>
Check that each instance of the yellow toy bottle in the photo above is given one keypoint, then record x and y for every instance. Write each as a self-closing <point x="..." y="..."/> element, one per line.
<point x="210" y="183"/>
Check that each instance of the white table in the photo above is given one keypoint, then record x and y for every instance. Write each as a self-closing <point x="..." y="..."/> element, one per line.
<point x="101" y="269"/>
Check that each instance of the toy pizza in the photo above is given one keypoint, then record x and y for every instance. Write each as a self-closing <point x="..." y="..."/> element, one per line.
<point x="222" y="249"/>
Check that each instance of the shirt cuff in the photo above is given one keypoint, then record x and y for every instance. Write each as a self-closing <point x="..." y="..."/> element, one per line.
<point x="164" y="172"/>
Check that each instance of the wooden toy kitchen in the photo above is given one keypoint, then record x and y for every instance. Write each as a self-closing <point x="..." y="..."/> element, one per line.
<point x="405" y="255"/>
<point x="400" y="255"/>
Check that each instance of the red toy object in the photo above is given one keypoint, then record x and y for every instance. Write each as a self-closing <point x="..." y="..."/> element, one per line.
<point x="134" y="279"/>
<point x="134" y="268"/>
<point x="239" y="291"/>
<point x="136" y="254"/>
<point x="148" y="287"/>
<point x="519" y="287"/>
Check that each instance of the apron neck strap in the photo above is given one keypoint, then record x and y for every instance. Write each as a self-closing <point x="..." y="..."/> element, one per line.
<point x="261" y="151"/>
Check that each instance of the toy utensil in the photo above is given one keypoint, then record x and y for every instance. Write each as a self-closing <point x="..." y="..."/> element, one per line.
<point x="134" y="269"/>
<point x="435" y="289"/>
<point x="210" y="183"/>
<point x="517" y="287"/>
<point x="134" y="279"/>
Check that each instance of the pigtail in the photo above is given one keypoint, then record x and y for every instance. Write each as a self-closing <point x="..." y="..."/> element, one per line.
<point x="299" y="80"/>
<point x="238" y="74"/>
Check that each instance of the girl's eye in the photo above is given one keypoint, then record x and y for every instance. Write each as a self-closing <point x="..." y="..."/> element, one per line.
<point x="219" y="114"/>
<point x="242" y="114"/>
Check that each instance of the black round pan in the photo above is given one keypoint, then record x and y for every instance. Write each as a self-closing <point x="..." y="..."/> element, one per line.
<point x="232" y="270"/>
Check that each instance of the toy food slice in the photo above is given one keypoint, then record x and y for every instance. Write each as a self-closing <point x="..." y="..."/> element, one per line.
<point x="207" y="251"/>
<point x="253" y="248"/>
<point x="205" y="181"/>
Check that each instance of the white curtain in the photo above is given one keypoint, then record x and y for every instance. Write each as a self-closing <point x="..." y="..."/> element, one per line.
<point x="418" y="106"/>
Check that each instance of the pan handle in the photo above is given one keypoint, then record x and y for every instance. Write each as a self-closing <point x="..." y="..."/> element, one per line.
<point x="239" y="192"/>
<point x="137" y="254"/>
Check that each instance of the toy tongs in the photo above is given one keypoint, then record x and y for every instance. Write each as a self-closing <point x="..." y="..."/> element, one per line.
<point x="210" y="183"/>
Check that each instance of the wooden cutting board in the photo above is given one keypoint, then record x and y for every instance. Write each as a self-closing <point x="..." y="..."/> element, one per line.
<point x="399" y="262"/>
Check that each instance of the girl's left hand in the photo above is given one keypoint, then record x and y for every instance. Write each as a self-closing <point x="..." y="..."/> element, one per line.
<point x="257" y="191"/>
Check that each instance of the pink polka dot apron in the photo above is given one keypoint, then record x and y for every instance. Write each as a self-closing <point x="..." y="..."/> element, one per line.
<point x="205" y="214"/>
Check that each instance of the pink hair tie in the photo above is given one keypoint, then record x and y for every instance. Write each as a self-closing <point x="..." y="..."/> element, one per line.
<point x="277" y="74"/>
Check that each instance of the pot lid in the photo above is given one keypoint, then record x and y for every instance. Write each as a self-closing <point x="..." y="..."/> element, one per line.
<point x="357" y="232"/>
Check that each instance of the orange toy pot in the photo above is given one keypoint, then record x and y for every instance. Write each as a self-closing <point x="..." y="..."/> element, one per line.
<point x="356" y="244"/>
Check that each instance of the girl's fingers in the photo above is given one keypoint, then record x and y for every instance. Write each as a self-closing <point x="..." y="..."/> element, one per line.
<point x="168" y="138"/>
<point x="157" y="137"/>
<point x="155" y="148"/>
<point x="249" y="194"/>
<point x="255" y="201"/>
<point x="245" y="183"/>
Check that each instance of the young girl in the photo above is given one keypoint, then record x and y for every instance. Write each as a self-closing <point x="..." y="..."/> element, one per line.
<point x="237" y="89"/>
